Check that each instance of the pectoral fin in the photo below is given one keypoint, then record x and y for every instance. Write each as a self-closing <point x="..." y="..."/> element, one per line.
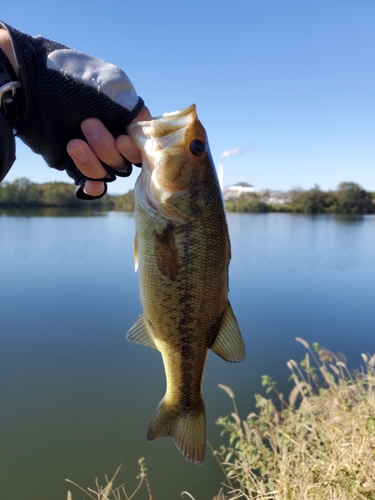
<point x="135" y="251"/>
<point x="228" y="343"/>
<point x="139" y="334"/>
<point x="166" y="253"/>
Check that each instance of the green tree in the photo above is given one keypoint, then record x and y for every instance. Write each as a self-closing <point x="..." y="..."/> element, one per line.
<point x="124" y="202"/>
<point x="20" y="192"/>
<point x="351" y="198"/>
<point x="59" y="194"/>
<point x="313" y="201"/>
<point x="247" y="203"/>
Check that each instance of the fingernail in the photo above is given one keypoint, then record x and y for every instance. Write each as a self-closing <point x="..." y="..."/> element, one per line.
<point x="79" y="154"/>
<point x="93" y="188"/>
<point x="91" y="129"/>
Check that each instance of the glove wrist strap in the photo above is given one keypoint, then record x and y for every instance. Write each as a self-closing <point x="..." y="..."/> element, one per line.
<point x="12" y="100"/>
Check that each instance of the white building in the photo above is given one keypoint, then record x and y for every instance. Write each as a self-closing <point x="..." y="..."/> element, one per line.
<point x="233" y="192"/>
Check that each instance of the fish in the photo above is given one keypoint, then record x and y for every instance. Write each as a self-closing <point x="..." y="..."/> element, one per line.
<point x="182" y="253"/>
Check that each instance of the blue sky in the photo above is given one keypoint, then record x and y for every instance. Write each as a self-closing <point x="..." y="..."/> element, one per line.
<point x="291" y="83"/>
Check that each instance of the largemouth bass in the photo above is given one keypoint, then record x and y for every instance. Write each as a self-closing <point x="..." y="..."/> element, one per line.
<point x="182" y="252"/>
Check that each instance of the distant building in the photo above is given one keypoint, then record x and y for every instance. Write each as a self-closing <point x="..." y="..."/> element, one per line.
<point x="233" y="192"/>
<point x="274" y="197"/>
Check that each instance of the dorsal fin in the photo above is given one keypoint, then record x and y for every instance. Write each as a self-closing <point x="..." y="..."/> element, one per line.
<point x="139" y="334"/>
<point x="228" y="343"/>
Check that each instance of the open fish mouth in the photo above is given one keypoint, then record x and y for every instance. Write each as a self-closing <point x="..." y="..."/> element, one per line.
<point x="162" y="132"/>
<point x="171" y="120"/>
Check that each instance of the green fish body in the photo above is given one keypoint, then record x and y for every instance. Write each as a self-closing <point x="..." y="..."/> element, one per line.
<point x="182" y="252"/>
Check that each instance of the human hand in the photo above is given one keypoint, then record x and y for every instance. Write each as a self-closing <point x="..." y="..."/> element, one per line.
<point x="68" y="98"/>
<point x="101" y="146"/>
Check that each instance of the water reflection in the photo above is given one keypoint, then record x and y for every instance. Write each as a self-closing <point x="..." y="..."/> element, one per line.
<point x="76" y="398"/>
<point x="353" y="219"/>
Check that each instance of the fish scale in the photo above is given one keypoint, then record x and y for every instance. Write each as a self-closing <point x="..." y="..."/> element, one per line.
<point x="182" y="252"/>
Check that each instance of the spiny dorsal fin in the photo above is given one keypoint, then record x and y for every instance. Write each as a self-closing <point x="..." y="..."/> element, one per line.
<point x="166" y="253"/>
<point x="139" y="334"/>
<point x="135" y="252"/>
<point x="188" y="430"/>
<point x="228" y="343"/>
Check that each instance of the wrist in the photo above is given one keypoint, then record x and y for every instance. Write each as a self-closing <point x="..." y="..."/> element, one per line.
<point x="7" y="48"/>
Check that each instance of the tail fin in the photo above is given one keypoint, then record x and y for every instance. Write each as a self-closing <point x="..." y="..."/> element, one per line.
<point x="187" y="429"/>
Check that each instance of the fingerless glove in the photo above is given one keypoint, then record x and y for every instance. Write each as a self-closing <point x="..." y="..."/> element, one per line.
<point x="61" y="88"/>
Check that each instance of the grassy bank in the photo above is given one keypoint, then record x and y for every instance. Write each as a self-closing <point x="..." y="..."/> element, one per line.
<point x="317" y="443"/>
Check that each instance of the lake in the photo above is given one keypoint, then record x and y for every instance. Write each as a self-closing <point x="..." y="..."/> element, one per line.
<point x="76" y="398"/>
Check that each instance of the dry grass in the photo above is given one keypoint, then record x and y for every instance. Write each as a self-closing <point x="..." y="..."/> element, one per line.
<point x="319" y="445"/>
<point x="110" y="492"/>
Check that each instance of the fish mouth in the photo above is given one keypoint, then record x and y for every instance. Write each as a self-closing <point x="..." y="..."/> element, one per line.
<point x="162" y="132"/>
<point x="166" y="117"/>
<point x="177" y="114"/>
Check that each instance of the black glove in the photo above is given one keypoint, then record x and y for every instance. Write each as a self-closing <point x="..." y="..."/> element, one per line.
<point x="7" y="147"/>
<point x="11" y="108"/>
<point x="61" y="88"/>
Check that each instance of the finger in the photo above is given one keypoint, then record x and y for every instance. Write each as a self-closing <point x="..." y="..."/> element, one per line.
<point x="126" y="146"/>
<point x="102" y="143"/>
<point x="85" y="160"/>
<point x="143" y="115"/>
<point x="94" y="188"/>
<point x="7" y="47"/>
<point x="128" y="149"/>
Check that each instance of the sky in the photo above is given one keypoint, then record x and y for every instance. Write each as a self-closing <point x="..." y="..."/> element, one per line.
<point x="286" y="85"/>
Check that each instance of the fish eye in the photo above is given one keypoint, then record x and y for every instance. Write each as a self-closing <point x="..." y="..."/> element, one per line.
<point x="197" y="147"/>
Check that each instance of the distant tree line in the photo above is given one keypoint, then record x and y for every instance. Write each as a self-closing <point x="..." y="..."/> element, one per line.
<point x="348" y="198"/>
<point x="23" y="193"/>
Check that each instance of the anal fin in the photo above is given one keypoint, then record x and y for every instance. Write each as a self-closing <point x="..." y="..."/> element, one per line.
<point x="139" y="334"/>
<point x="229" y="344"/>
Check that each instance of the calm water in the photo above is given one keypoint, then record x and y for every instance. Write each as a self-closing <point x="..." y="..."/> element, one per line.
<point x="76" y="398"/>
